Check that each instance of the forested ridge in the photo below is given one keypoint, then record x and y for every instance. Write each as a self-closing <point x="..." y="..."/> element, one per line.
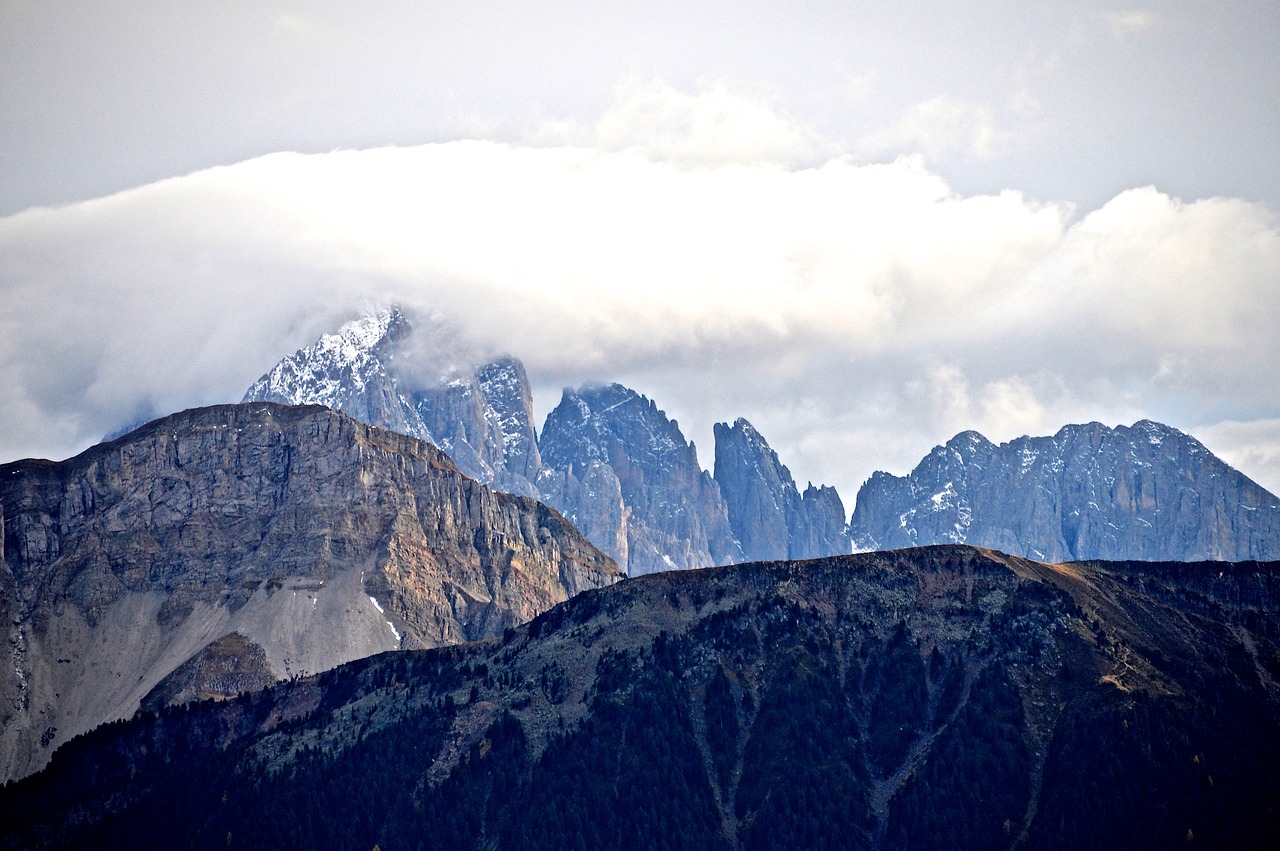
<point x="944" y="697"/>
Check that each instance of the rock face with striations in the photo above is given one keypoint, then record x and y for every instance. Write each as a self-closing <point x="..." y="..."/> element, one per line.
<point x="379" y="370"/>
<point x="1088" y="492"/>
<point x="484" y="421"/>
<point x="613" y="455"/>
<point x="769" y="516"/>
<point x="316" y="538"/>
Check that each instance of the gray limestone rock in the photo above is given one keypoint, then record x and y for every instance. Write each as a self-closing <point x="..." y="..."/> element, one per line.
<point x="1088" y="492"/>
<point x="483" y="419"/>
<point x="768" y="514"/>
<point x="348" y="371"/>
<point x="380" y="371"/>
<point x="672" y="513"/>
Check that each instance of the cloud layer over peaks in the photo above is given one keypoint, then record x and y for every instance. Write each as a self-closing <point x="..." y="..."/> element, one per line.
<point x="856" y="313"/>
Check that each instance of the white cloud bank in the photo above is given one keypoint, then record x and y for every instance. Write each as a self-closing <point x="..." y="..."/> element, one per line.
<point x="857" y="313"/>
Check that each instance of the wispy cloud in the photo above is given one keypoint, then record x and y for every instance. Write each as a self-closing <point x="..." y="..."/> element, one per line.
<point x="718" y="124"/>
<point x="1127" y="23"/>
<point x="942" y="129"/>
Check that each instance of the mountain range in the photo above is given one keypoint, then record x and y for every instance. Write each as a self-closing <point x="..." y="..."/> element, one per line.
<point x="617" y="467"/>
<point x="1088" y="492"/>
<point x="607" y="457"/>
<point x="197" y="612"/>
<point x="944" y="697"/>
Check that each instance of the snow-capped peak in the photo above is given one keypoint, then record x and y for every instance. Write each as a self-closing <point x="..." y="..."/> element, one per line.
<point x="333" y="367"/>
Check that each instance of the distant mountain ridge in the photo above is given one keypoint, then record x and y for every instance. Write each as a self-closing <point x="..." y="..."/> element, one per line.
<point x="613" y="462"/>
<point x="607" y="440"/>
<point x="769" y="515"/>
<point x="1088" y="492"/>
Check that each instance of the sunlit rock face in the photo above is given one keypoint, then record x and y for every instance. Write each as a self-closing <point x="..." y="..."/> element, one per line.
<point x="315" y="538"/>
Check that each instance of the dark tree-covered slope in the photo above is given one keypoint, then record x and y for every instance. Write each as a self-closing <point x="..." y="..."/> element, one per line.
<point x="944" y="697"/>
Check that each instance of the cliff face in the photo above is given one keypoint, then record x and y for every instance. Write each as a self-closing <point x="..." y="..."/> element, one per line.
<point x="769" y="516"/>
<point x="942" y="697"/>
<point x="316" y="538"/>
<point x="484" y="421"/>
<point x="1089" y="492"/>
<point x="672" y="514"/>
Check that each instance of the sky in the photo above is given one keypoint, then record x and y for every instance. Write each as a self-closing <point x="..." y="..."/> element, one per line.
<point x="864" y="227"/>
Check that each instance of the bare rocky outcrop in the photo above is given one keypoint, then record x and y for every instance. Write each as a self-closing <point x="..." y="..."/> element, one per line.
<point x="224" y="668"/>
<point x="317" y="538"/>
<point x="771" y="519"/>
<point x="1145" y="492"/>
<point x="671" y="515"/>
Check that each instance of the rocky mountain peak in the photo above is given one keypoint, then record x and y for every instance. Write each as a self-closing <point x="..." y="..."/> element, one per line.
<point x="596" y="422"/>
<point x="969" y="444"/>
<point x="1157" y="431"/>
<point x="748" y="432"/>
<point x="1147" y="491"/>
<point x="768" y="514"/>
<point x="336" y="364"/>
<point x="619" y="467"/>
<point x="380" y="371"/>
<point x="505" y="387"/>
<point x="348" y="371"/>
